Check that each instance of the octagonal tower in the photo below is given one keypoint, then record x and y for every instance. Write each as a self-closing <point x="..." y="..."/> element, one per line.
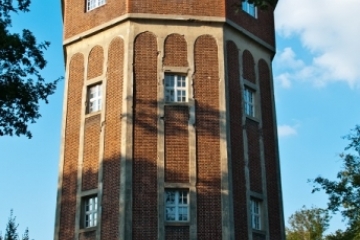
<point x="169" y="127"/>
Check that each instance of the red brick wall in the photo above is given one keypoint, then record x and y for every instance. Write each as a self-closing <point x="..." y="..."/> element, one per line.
<point x="87" y="235"/>
<point x="236" y="140"/>
<point x="71" y="154"/>
<point x="206" y="88"/>
<point x="262" y="26"/>
<point x="176" y="144"/>
<point x="77" y="20"/>
<point x="248" y="67"/>
<point x="95" y="63"/>
<point x="145" y="215"/>
<point x="271" y="159"/>
<point x="184" y="7"/>
<point x="177" y="233"/>
<point x="253" y="137"/>
<point x="259" y="236"/>
<point x="176" y="118"/>
<point x="112" y="156"/>
<point x="91" y="153"/>
<point x="175" y="51"/>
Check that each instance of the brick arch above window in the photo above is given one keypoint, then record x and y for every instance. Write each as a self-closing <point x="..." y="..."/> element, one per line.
<point x="248" y="66"/>
<point x="264" y="70"/>
<point x="206" y="56"/>
<point x="175" y="51"/>
<point x="95" y="62"/>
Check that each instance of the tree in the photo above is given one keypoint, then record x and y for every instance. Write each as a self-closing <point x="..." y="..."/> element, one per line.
<point x="307" y="224"/>
<point x="342" y="235"/>
<point x="344" y="193"/>
<point x="21" y="85"/>
<point x="11" y="230"/>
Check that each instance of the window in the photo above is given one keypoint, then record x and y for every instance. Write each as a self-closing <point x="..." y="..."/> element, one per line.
<point x="175" y="88"/>
<point x="249" y="8"/>
<point x="176" y="205"/>
<point x="94" y="98"/>
<point x="92" y="4"/>
<point x="249" y="100"/>
<point x="90" y="206"/>
<point x="255" y="206"/>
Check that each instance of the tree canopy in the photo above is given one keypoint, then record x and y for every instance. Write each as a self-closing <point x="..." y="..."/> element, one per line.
<point x="21" y="85"/>
<point x="307" y="224"/>
<point x="344" y="193"/>
<point x="11" y="230"/>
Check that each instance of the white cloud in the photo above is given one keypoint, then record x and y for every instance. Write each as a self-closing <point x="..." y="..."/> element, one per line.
<point x="287" y="59"/>
<point x="286" y="130"/>
<point x="284" y="80"/>
<point x="329" y="30"/>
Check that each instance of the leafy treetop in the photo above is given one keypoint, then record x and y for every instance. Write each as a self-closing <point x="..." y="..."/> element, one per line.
<point x="344" y="193"/>
<point x="21" y="85"/>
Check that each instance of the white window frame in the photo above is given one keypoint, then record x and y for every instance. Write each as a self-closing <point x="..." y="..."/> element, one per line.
<point x="249" y="8"/>
<point x="255" y="210"/>
<point x="179" y="207"/>
<point x="94" y="98"/>
<point x="90" y="211"/>
<point x="92" y="4"/>
<point x="249" y="101"/>
<point x="175" y="88"/>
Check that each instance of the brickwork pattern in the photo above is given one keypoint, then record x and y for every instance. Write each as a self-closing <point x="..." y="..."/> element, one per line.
<point x="262" y="26"/>
<point x="90" y="169"/>
<point x="112" y="147"/>
<point x="145" y="215"/>
<point x="206" y="88"/>
<point x="175" y="51"/>
<point x="252" y="132"/>
<point x="184" y="7"/>
<point x="87" y="235"/>
<point x="77" y="20"/>
<point x="248" y="67"/>
<point x="176" y="144"/>
<point x="236" y="141"/>
<point x="259" y="236"/>
<point x="95" y="62"/>
<point x="71" y="154"/>
<point x="272" y="164"/>
<point x="177" y="233"/>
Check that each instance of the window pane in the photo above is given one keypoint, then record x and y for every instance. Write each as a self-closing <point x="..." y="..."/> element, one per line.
<point x="176" y="205"/>
<point x="183" y="214"/>
<point x="94" y="98"/>
<point x="174" y="87"/>
<point x="170" y="198"/>
<point x="170" y="213"/>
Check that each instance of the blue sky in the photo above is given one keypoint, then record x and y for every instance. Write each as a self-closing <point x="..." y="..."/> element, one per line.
<point x="317" y="90"/>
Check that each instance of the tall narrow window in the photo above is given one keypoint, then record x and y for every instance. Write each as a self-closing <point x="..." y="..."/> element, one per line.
<point x="255" y="214"/>
<point x="249" y="8"/>
<point x="176" y="205"/>
<point x="90" y="206"/>
<point x="175" y="88"/>
<point x="249" y="102"/>
<point x="94" y="98"/>
<point x="92" y="4"/>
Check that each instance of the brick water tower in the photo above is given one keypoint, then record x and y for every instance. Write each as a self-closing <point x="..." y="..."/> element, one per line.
<point x="169" y="126"/>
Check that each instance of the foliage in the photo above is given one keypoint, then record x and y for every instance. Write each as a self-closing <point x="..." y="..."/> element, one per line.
<point x="342" y="235"/>
<point x="11" y="230"/>
<point x="344" y="193"/>
<point x="21" y="85"/>
<point x="307" y="224"/>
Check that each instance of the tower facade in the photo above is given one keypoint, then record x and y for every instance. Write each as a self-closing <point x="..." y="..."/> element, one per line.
<point x="169" y="128"/>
